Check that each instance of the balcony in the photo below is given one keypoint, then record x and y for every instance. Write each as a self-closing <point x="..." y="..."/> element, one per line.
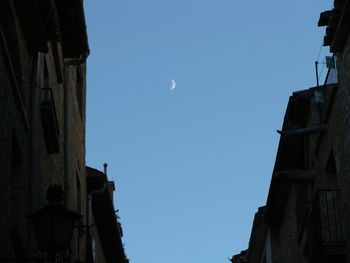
<point x="49" y="121"/>
<point x="326" y="242"/>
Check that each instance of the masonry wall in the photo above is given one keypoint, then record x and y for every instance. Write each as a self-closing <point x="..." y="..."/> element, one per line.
<point x="334" y="143"/>
<point x="14" y="132"/>
<point x="18" y="198"/>
<point x="76" y="185"/>
<point x="284" y="240"/>
<point x="337" y="139"/>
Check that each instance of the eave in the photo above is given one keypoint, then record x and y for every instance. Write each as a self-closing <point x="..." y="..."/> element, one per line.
<point x="57" y="21"/>
<point x="73" y="28"/>
<point x="337" y="22"/>
<point x="31" y="22"/>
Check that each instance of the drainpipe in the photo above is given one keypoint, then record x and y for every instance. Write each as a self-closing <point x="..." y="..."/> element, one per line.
<point x="67" y="130"/>
<point x="89" y="216"/>
<point x="89" y="203"/>
<point x="89" y="211"/>
<point x="34" y="145"/>
<point x="67" y="182"/>
<point x="66" y="98"/>
<point x="34" y="130"/>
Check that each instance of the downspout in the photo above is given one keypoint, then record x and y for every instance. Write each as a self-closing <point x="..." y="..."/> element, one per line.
<point x="89" y="217"/>
<point x="34" y="130"/>
<point x="66" y="98"/>
<point x="33" y="185"/>
<point x="67" y="183"/>
<point x="89" y="213"/>
<point x="67" y="130"/>
<point x="89" y="198"/>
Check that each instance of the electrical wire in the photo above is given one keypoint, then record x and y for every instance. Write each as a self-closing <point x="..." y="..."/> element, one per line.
<point x="323" y="65"/>
<point x="319" y="52"/>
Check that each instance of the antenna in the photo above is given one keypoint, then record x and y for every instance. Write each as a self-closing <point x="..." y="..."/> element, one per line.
<point x="105" y="165"/>
<point x="316" y="67"/>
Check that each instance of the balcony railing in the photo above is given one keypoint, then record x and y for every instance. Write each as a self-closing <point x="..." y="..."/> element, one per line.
<point x="325" y="229"/>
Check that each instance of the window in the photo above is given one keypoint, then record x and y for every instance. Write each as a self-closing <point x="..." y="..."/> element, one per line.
<point x="79" y="90"/>
<point x="49" y="115"/>
<point x="78" y="199"/>
<point x="16" y="156"/>
<point x="331" y="171"/>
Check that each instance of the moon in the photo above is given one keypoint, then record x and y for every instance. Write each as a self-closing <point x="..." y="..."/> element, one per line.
<point x="172" y="85"/>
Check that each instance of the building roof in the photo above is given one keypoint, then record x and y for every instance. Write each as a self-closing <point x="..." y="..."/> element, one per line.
<point x="105" y="218"/>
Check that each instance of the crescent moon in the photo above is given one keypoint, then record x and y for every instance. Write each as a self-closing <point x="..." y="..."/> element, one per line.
<point x="172" y="85"/>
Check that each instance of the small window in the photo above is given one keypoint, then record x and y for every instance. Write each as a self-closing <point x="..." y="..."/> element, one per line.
<point x="79" y="204"/>
<point x="78" y="207"/>
<point x="331" y="170"/>
<point x="49" y="115"/>
<point x="46" y="83"/>
<point x="16" y="156"/>
<point x="79" y="90"/>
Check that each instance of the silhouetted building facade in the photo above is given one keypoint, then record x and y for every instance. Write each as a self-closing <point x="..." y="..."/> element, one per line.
<point x="43" y="51"/>
<point x="105" y="234"/>
<point x="306" y="217"/>
<point x="240" y="258"/>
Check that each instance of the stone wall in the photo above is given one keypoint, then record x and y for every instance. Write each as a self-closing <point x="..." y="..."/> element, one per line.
<point x="284" y="240"/>
<point x="333" y="143"/>
<point x="17" y="129"/>
<point x="14" y="133"/>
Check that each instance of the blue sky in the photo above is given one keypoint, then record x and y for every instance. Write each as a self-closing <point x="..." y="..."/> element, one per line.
<point x="192" y="165"/>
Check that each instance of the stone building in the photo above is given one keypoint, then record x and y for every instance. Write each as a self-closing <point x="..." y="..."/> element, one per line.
<point x="240" y="258"/>
<point x="306" y="216"/>
<point x="106" y="232"/>
<point x="43" y="51"/>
